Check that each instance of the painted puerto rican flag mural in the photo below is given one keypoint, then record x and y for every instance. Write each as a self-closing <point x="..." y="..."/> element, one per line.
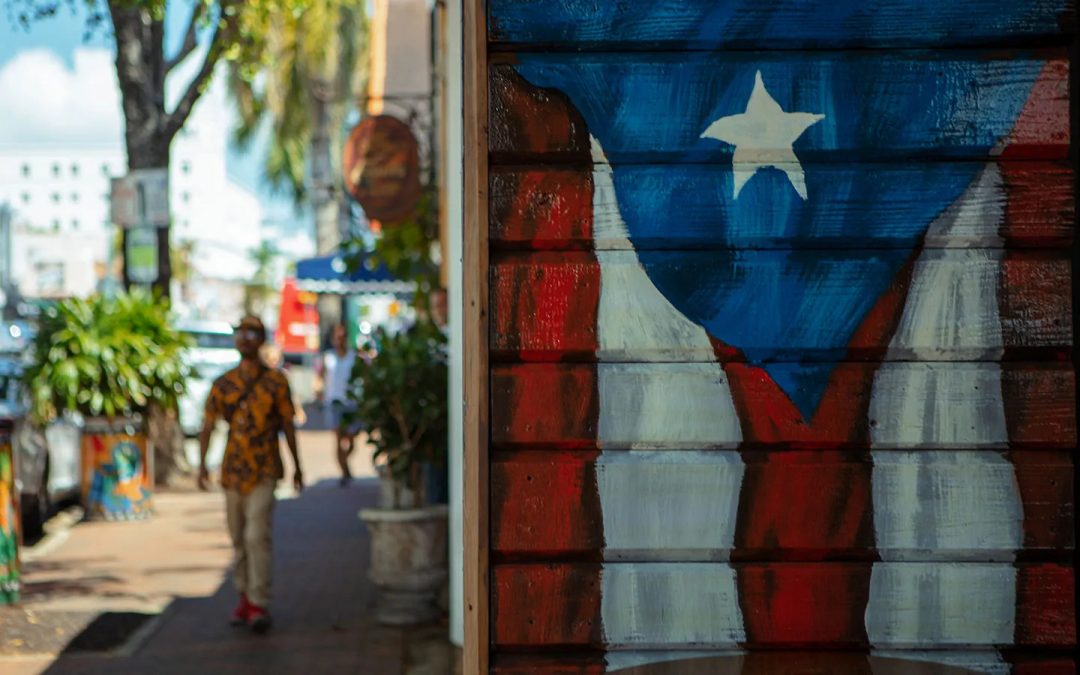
<point x="781" y="336"/>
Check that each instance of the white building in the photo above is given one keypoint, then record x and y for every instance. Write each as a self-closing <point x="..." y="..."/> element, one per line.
<point x="60" y="195"/>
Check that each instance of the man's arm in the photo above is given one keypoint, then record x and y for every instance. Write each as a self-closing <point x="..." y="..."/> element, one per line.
<point x="209" y="420"/>
<point x="290" y="439"/>
<point x="288" y="426"/>
<point x="204" y="447"/>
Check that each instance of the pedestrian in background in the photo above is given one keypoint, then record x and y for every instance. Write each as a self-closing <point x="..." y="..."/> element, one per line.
<point x="332" y="391"/>
<point x="256" y="403"/>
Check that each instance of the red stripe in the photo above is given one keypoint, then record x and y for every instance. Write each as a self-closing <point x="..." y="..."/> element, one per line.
<point x="542" y="209"/>
<point x="546" y="605"/>
<point x="546" y="504"/>
<point x="544" y="306"/>
<point x="1045" y="605"/>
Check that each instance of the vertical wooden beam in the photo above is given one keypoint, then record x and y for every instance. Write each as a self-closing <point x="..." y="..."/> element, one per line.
<point x="475" y="292"/>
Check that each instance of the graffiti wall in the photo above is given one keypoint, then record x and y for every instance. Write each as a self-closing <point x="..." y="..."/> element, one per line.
<point x="781" y="335"/>
<point x="9" y="522"/>
<point x="116" y="476"/>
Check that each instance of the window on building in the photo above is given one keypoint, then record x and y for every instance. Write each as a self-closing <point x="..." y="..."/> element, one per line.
<point x="185" y="166"/>
<point x="56" y="224"/>
<point x="105" y="170"/>
<point x="26" y="197"/>
<point x="75" y="170"/>
<point x="185" y="197"/>
<point x="56" y="197"/>
<point x="56" y="170"/>
<point x="26" y="170"/>
<point x="74" y="223"/>
<point x="74" y="197"/>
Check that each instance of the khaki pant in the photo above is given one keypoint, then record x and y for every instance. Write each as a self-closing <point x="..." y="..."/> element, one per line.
<point x="250" y="526"/>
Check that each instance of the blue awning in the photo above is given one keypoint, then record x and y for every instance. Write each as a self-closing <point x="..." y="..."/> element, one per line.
<point x="328" y="275"/>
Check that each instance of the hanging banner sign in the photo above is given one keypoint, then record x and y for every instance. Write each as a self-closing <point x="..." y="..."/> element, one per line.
<point x="381" y="162"/>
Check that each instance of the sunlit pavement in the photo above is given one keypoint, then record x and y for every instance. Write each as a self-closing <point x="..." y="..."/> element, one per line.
<point x="173" y="568"/>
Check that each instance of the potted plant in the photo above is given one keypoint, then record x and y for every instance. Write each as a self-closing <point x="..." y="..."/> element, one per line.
<point x="109" y="360"/>
<point x="400" y="397"/>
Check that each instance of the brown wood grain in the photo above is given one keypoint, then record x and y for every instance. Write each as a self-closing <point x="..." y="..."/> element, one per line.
<point x="475" y="329"/>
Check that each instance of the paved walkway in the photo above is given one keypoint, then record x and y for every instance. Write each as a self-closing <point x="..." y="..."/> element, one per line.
<point x="175" y="564"/>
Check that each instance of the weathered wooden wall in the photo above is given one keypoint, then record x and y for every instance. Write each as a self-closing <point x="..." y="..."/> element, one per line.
<point x="781" y="336"/>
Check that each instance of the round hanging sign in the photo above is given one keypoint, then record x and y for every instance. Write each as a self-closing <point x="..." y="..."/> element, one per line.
<point x="381" y="162"/>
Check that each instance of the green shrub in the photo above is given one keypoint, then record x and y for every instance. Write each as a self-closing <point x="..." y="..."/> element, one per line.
<point x="107" y="356"/>
<point x="400" y="398"/>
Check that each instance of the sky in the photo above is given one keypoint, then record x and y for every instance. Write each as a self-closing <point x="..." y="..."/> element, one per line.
<point x="50" y="70"/>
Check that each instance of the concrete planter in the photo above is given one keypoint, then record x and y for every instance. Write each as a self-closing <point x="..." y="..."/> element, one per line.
<point x="408" y="562"/>
<point x="117" y="470"/>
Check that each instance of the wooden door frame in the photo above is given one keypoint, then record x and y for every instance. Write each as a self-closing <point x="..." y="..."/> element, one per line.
<point x="475" y="347"/>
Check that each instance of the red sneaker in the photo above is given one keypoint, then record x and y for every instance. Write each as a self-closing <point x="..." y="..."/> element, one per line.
<point x="242" y="612"/>
<point x="258" y="619"/>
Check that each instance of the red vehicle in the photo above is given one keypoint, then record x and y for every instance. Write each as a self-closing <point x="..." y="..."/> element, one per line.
<point x="298" y="321"/>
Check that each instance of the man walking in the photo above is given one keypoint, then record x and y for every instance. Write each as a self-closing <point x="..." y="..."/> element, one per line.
<point x="333" y="392"/>
<point x="256" y="403"/>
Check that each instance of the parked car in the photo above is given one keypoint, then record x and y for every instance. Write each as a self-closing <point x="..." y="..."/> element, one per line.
<point x="212" y="353"/>
<point x="47" y="459"/>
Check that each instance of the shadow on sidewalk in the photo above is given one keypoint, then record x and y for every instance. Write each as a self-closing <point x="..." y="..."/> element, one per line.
<point x="321" y="608"/>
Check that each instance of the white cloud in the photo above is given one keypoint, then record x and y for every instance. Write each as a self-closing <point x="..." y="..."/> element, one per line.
<point x="43" y="101"/>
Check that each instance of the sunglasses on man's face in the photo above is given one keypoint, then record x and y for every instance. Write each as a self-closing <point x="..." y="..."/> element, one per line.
<point x="248" y="333"/>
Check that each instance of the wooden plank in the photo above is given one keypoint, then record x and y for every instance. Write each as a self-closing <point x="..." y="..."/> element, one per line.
<point x="876" y="106"/>
<point x="531" y="297"/>
<point x="475" y="375"/>
<point x="1027" y="204"/>
<point x="749" y="24"/>
<point x="705" y="506"/>
<point x="682" y="406"/>
<point x="787" y="662"/>
<point x="764" y="605"/>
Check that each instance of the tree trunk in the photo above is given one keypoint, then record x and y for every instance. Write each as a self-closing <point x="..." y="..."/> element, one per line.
<point x="324" y="202"/>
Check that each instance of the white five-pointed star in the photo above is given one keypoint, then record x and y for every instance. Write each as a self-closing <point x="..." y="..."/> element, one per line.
<point x="763" y="136"/>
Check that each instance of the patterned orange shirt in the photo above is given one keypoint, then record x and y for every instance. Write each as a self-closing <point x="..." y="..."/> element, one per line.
<point x="252" y="453"/>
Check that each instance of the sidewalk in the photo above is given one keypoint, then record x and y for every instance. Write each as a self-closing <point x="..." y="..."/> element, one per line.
<point x="175" y="564"/>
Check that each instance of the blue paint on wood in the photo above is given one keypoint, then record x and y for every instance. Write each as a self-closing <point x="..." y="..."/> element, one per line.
<point x="661" y="105"/>
<point x="708" y="24"/>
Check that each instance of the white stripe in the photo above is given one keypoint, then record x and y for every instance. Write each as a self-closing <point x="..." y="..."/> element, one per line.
<point x="941" y="604"/>
<point x="654" y="605"/>
<point x="634" y="314"/>
<point x="937" y="405"/>
<point x="939" y="505"/>
<point x="973" y="217"/>
<point x="675" y="505"/>
<point x="952" y="308"/>
<point x="922" y="512"/>
<point x="648" y="604"/>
